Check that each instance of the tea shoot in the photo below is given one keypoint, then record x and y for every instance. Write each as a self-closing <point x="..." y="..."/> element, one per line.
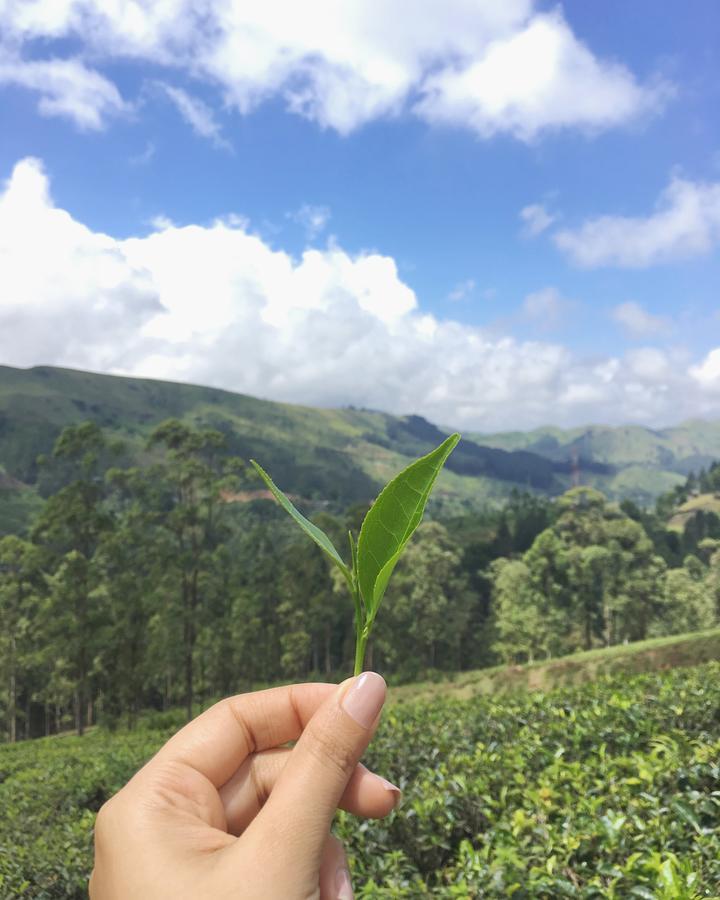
<point x="384" y="534"/>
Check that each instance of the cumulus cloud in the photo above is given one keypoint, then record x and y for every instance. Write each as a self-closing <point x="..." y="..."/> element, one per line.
<point x="539" y="77"/>
<point x="62" y="286"/>
<point x="66" y="88"/>
<point x="637" y="322"/>
<point x="535" y="219"/>
<point x="686" y="223"/>
<point x="197" y="114"/>
<point x="216" y="305"/>
<point x="488" y="66"/>
<point x="707" y="372"/>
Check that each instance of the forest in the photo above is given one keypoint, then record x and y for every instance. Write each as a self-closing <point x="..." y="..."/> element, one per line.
<point x="174" y="581"/>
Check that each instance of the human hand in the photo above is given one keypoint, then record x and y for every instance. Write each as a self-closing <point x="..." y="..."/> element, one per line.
<point x="223" y="810"/>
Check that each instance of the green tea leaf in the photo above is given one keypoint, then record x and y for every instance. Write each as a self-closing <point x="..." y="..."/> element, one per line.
<point x="312" y="531"/>
<point x="392" y="519"/>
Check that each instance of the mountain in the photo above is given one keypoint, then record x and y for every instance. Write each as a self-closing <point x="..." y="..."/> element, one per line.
<point x="336" y="457"/>
<point x="644" y="461"/>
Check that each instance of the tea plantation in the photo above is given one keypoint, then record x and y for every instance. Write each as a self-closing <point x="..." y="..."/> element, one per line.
<point x="607" y="790"/>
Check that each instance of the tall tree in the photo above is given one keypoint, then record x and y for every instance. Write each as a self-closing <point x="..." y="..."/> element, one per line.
<point x="189" y="482"/>
<point x="518" y="618"/>
<point x="428" y="605"/>
<point x="594" y="574"/>
<point x="19" y="581"/>
<point x="70" y="529"/>
<point x="128" y="574"/>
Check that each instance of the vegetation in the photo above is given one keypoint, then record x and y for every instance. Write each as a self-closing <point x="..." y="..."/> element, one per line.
<point x="151" y="574"/>
<point x="384" y="534"/>
<point x="150" y="586"/>
<point x="337" y="456"/>
<point x="569" y="671"/>
<point x="607" y="790"/>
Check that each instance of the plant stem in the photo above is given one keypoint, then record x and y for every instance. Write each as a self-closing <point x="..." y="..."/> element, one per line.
<point x="360" y="644"/>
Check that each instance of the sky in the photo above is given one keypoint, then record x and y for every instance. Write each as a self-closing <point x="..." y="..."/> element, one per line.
<point x="498" y="215"/>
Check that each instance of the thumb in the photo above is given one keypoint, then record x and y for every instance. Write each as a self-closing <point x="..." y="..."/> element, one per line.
<point x="304" y="800"/>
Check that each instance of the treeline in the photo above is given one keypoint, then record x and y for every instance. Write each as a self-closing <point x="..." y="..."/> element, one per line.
<point x="147" y="587"/>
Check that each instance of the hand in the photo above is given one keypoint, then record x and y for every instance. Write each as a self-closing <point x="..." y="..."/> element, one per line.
<point x="224" y="810"/>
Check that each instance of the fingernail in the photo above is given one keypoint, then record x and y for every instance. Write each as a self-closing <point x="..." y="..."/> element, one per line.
<point x="389" y="786"/>
<point x="343" y="885"/>
<point x="364" y="698"/>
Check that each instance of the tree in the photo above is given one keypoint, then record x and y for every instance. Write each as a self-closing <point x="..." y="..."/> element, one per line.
<point x="426" y="615"/>
<point x="688" y="604"/>
<point x="188" y="483"/>
<point x="517" y="612"/>
<point x="712" y="582"/>
<point x="19" y="581"/>
<point x="128" y="574"/>
<point x="70" y="529"/>
<point x="597" y="573"/>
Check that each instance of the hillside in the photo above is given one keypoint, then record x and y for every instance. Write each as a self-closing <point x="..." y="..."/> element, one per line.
<point x="707" y="503"/>
<point x="575" y="669"/>
<point x="333" y="456"/>
<point x="644" y="462"/>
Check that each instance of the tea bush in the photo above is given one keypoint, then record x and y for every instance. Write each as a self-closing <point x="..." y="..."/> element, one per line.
<point x="608" y="790"/>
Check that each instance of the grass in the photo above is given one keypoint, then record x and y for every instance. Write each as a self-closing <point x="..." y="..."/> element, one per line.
<point x="566" y="671"/>
<point x="705" y="502"/>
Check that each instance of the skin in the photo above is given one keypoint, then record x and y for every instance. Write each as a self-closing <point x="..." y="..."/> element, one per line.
<point x="225" y="810"/>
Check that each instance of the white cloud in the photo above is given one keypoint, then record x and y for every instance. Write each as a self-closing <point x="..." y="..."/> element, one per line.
<point x="197" y="114"/>
<point x="313" y="219"/>
<point x="686" y="223"/>
<point x="536" y="219"/>
<point x="216" y="305"/>
<point x="539" y="77"/>
<point x="67" y="88"/>
<point x="707" y="373"/>
<point x="65" y="292"/>
<point x="488" y="66"/>
<point x="649" y="363"/>
<point x="637" y="322"/>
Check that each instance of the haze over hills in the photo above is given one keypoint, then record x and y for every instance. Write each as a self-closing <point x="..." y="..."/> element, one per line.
<point x="341" y="456"/>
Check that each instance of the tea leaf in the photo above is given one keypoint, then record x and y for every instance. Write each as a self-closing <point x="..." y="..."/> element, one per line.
<point x="312" y="531"/>
<point x="391" y="521"/>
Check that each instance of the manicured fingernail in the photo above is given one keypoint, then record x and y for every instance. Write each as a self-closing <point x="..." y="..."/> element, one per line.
<point x="364" y="698"/>
<point x="343" y="885"/>
<point x="389" y="786"/>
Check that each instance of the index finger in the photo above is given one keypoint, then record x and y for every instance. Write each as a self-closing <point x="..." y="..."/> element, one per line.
<point x="216" y="742"/>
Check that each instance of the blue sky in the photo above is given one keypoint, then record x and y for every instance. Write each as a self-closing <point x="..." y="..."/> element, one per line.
<point x="497" y="215"/>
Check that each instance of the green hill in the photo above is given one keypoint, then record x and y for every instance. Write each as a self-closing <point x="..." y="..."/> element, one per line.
<point x="335" y="457"/>
<point x="577" y="668"/>
<point x="642" y="462"/>
<point x="708" y="503"/>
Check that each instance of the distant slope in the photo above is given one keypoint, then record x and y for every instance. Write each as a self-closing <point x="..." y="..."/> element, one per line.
<point x="708" y="503"/>
<point x="643" y="462"/>
<point x="338" y="457"/>
<point x="631" y="659"/>
<point x="687" y="447"/>
<point x="335" y="456"/>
